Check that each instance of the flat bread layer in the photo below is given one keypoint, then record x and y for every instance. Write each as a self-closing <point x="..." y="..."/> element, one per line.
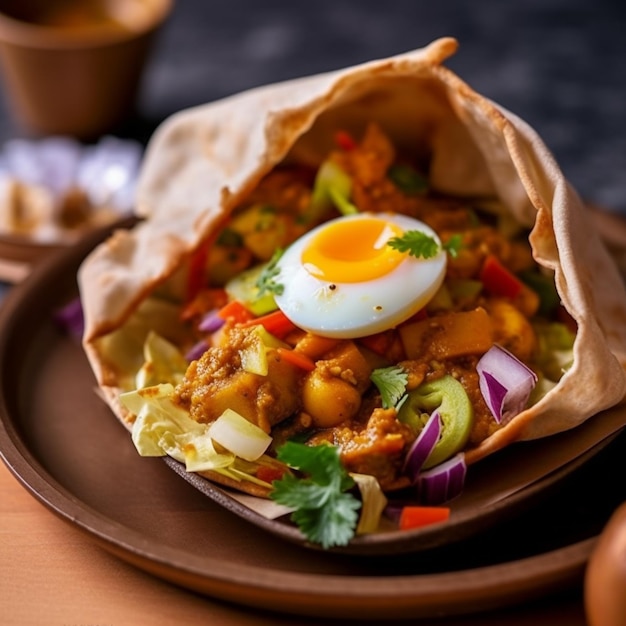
<point x="202" y="162"/>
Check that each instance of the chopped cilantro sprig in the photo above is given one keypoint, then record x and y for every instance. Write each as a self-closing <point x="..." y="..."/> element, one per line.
<point x="415" y="243"/>
<point x="324" y="510"/>
<point x="391" y="382"/>
<point x="453" y="245"/>
<point x="266" y="282"/>
<point x="420" y="245"/>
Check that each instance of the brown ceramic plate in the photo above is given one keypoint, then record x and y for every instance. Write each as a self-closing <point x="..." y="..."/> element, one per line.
<point x="496" y="490"/>
<point x="65" y="447"/>
<point x="18" y="254"/>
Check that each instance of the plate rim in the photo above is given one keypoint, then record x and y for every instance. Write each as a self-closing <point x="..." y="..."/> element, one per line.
<point x="417" y="595"/>
<point x="413" y="541"/>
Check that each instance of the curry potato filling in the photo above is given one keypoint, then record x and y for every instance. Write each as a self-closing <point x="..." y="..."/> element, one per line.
<point x="514" y="289"/>
<point x="332" y="399"/>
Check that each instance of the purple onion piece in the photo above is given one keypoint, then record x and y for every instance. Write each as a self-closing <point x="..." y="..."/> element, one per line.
<point x="70" y="318"/>
<point x="443" y="482"/>
<point x="393" y="510"/>
<point x="494" y="393"/>
<point x="456" y="477"/>
<point x="505" y="383"/>
<point x="422" y="446"/>
<point x="211" y="322"/>
<point x="196" y="351"/>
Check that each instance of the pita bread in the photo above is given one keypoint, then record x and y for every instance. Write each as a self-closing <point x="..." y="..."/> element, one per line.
<point x="203" y="161"/>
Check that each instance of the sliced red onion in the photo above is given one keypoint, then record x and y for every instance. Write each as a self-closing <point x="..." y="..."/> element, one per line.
<point x="393" y="510"/>
<point x="211" y="322"/>
<point x="422" y="446"/>
<point x="443" y="482"/>
<point x="494" y="393"/>
<point x="70" y="318"/>
<point x="196" y="351"/>
<point x="505" y="383"/>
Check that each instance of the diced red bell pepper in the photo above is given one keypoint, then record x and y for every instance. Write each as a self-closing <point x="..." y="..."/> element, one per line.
<point x="418" y="516"/>
<point x="236" y="311"/>
<point x="269" y="474"/>
<point x="498" y="280"/>
<point x="344" y="140"/>
<point x="275" y="323"/>
<point x="296" y="358"/>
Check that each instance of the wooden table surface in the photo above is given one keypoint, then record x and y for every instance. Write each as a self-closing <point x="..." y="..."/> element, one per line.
<point x="51" y="574"/>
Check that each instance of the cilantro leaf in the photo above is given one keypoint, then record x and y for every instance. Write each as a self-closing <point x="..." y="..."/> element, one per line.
<point x="415" y="243"/>
<point x="419" y="244"/>
<point x="330" y="525"/>
<point x="391" y="382"/>
<point x="266" y="282"/>
<point x="408" y="179"/>
<point x="453" y="245"/>
<point x="324" y="512"/>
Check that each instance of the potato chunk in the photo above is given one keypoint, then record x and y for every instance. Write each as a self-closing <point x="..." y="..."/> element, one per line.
<point x="449" y="335"/>
<point x="217" y="381"/>
<point x="332" y="392"/>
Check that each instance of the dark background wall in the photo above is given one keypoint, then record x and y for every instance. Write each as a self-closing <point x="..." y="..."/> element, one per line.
<point x="558" y="64"/>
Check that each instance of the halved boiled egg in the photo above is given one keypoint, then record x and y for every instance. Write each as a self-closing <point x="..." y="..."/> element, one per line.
<point x="342" y="279"/>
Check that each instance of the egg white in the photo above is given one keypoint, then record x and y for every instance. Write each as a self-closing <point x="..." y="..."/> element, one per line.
<point x="357" y="309"/>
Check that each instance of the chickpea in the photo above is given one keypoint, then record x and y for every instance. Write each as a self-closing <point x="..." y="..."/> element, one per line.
<point x="329" y="400"/>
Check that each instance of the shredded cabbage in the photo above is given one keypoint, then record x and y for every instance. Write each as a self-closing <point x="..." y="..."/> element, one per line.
<point x="163" y="428"/>
<point x="373" y="503"/>
<point x="240" y="436"/>
<point x="164" y="363"/>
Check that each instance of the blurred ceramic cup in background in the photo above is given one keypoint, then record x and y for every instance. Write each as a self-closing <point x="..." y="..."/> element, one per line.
<point x="74" y="67"/>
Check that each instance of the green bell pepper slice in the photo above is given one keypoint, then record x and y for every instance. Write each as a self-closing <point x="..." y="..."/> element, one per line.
<point x="457" y="415"/>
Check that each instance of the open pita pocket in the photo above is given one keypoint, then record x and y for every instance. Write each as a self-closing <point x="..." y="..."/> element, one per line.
<point x="202" y="163"/>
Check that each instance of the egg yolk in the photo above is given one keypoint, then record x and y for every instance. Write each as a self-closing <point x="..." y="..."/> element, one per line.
<point x="353" y="251"/>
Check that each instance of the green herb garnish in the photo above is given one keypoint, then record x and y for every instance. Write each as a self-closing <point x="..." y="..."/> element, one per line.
<point x="391" y="382"/>
<point x="420" y="245"/>
<point x="408" y="179"/>
<point x="266" y="282"/>
<point x="324" y="512"/>
<point x="415" y="243"/>
<point x="453" y="245"/>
